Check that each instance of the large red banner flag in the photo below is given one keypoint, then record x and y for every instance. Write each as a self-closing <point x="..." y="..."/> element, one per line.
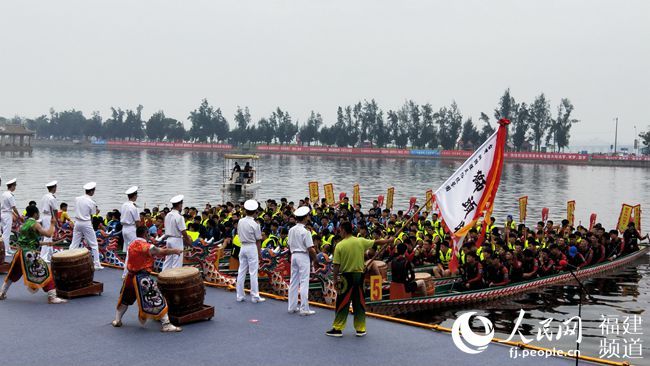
<point x="470" y="191"/>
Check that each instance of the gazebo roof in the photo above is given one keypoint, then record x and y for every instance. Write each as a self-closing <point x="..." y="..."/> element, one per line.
<point x="15" y="130"/>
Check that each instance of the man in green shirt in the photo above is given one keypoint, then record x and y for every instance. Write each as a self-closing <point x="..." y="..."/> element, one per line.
<point x="349" y="263"/>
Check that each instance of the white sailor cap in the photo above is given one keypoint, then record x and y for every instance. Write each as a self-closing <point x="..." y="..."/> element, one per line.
<point x="301" y="211"/>
<point x="51" y="184"/>
<point x="11" y="182"/>
<point x="131" y="190"/>
<point x="90" y="185"/>
<point x="251" y="205"/>
<point x="177" y="199"/>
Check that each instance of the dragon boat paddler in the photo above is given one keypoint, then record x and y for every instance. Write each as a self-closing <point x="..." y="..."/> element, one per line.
<point x="139" y="285"/>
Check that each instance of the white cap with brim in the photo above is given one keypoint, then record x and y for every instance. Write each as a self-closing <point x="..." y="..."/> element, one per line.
<point x="11" y="182"/>
<point x="51" y="184"/>
<point x="131" y="190"/>
<point x="90" y="185"/>
<point x="176" y="199"/>
<point x="301" y="211"/>
<point x="251" y="205"/>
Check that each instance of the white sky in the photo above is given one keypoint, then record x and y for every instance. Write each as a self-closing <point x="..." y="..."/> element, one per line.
<point x="315" y="55"/>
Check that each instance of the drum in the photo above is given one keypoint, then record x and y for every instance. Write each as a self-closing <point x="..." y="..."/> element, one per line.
<point x="376" y="268"/>
<point x="429" y="285"/>
<point x="72" y="269"/>
<point x="183" y="289"/>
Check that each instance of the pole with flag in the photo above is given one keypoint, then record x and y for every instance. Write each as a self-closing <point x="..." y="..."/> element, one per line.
<point x="470" y="192"/>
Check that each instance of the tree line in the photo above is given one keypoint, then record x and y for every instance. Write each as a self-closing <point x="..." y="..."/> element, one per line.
<point x="362" y="124"/>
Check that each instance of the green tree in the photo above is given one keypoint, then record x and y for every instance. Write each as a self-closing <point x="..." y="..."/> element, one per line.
<point x="560" y="127"/>
<point x="450" y="122"/>
<point x="113" y="128"/>
<point x="327" y="136"/>
<point x="133" y="124"/>
<point x="266" y="130"/>
<point x="40" y="125"/>
<point x="521" y="125"/>
<point x="155" y="126"/>
<point x="470" y="137"/>
<point x="540" y="120"/>
<point x="94" y="125"/>
<point x="339" y="129"/>
<point x="351" y="127"/>
<point x="309" y="132"/>
<point x="242" y="120"/>
<point x="486" y="130"/>
<point x="175" y="131"/>
<point x="429" y="134"/>
<point x="67" y="123"/>
<point x="286" y="130"/>
<point x="202" y="118"/>
<point x="645" y="140"/>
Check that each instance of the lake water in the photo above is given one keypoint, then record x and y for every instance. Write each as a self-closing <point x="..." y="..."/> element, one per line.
<point x="198" y="175"/>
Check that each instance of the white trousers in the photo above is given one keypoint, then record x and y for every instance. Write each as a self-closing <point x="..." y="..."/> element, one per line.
<point x="248" y="262"/>
<point x="84" y="230"/>
<point x="173" y="260"/>
<point x="128" y="234"/>
<point x="7" y="220"/>
<point x="300" y="269"/>
<point x="46" y="250"/>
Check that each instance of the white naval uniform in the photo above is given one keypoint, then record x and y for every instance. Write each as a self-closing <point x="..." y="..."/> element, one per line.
<point x="47" y="207"/>
<point x="85" y="208"/>
<point x="128" y="217"/>
<point x="174" y="227"/>
<point x="7" y="204"/>
<point x="300" y="241"/>
<point x="249" y="233"/>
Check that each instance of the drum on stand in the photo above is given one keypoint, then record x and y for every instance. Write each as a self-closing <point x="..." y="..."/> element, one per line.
<point x="72" y="269"/>
<point x="183" y="289"/>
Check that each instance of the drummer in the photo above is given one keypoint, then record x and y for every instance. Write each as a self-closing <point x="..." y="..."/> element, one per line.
<point x="302" y="249"/>
<point x="48" y="208"/>
<point x="28" y="257"/>
<point x="176" y="233"/>
<point x="130" y="219"/>
<point x="140" y="285"/>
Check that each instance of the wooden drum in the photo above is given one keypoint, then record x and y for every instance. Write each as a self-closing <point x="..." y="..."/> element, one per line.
<point x="183" y="289"/>
<point x="376" y="268"/>
<point x="72" y="269"/>
<point x="429" y="285"/>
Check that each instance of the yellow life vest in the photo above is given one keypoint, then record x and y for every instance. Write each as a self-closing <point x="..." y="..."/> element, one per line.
<point x="236" y="242"/>
<point x="193" y="235"/>
<point x="445" y="257"/>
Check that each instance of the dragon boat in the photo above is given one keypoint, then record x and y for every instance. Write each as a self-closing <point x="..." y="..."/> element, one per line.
<point x="446" y="295"/>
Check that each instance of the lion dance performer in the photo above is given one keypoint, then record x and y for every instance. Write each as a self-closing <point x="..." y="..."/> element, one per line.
<point x="27" y="262"/>
<point x="140" y="285"/>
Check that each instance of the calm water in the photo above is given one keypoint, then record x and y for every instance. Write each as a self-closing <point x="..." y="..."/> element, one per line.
<point x="197" y="175"/>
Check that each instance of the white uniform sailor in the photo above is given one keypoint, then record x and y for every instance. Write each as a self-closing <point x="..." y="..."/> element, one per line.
<point x="302" y="248"/>
<point x="7" y="212"/>
<point x="250" y="236"/>
<point x="176" y="233"/>
<point x="48" y="209"/>
<point x="130" y="219"/>
<point x="85" y="208"/>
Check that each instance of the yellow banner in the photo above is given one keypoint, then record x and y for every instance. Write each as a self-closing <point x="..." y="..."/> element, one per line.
<point x="570" y="211"/>
<point x="314" y="195"/>
<point x="523" y="205"/>
<point x="356" y="195"/>
<point x="624" y="217"/>
<point x="329" y="193"/>
<point x="429" y="200"/>
<point x="636" y="213"/>
<point x="389" y="198"/>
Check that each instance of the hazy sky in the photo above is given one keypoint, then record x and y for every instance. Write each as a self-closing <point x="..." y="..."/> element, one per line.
<point x="315" y="55"/>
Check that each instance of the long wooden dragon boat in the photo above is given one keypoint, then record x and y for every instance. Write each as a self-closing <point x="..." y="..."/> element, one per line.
<point x="446" y="296"/>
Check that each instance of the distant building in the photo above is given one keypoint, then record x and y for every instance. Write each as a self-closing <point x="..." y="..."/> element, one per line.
<point x="14" y="137"/>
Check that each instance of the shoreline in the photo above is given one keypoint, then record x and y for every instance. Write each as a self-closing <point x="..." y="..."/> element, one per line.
<point x="453" y="155"/>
